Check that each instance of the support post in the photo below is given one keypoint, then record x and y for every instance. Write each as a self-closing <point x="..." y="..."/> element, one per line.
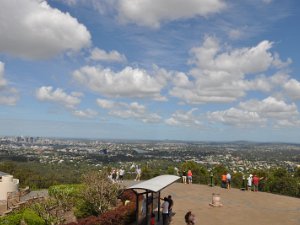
<point x="158" y="206"/>
<point x="147" y="207"/>
<point x="137" y="208"/>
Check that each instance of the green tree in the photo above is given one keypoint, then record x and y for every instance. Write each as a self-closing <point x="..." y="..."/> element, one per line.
<point x="218" y="171"/>
<point x="200" y="174"/>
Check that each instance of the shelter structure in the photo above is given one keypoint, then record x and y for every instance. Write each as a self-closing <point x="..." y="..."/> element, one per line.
<point x="7" y="184"/>
<point x="153" y="187"/>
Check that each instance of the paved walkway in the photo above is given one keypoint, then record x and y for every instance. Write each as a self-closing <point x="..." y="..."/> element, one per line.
<point x="239" y="207"/>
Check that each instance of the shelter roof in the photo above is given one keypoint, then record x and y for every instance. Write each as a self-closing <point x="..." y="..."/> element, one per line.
<point x="3" y="174"/>
<point x="156" y="184"/>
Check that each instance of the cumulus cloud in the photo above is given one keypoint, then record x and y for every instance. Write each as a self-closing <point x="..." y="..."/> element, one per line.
<point x="132" y="110"/>
<point x="32" y="29"/>
<point x="8" y="95"/>
<point x="236" y="117"/>
<point x="88" y="113"/>
<point x="112" y="56"/>
<point x="48" y="94"/>
<point x="271" y="108"/>
<point x="182" y="118"/>
<point x="225" y="74"/>
<point x="129" y="82"/>
<point x="152" y="12"/>
<point x="258" y="112"/>
<point x="3" y="81"/>
<point x="292" y="88"/>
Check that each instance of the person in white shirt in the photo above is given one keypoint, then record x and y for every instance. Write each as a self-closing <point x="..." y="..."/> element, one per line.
<point x="249" y="182"/>
<point x="121" y="174"/>
<point x="165" y="211"/>
<point x="228" y="180"/>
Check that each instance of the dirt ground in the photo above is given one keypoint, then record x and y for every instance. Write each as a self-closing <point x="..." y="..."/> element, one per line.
<point x="239" y="207"/>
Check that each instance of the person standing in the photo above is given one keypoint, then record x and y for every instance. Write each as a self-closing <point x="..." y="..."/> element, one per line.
<point x="121" y="174"/>
<point x="171" y="203"/>
<point x="165" y="211"/>
<point x="190" y="176"/>
<point x="184" y="176"/>
<point x="224" y="180"/>
<point x="255" y="182"/>
<point x="152" y="220"/>
<point x="249" y="182"/>
<point x="228" y="180"/>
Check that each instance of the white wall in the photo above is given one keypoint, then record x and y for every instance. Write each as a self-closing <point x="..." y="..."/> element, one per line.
<point x="8" y="184"/>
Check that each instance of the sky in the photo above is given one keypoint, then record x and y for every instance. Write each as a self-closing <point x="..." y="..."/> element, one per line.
<point x="195" y="70"/>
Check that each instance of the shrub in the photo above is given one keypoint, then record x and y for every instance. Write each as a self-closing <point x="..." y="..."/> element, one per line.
<point x="30" y="217"/>
<point x="99" y="192"/>
<point x="12" y="219"/>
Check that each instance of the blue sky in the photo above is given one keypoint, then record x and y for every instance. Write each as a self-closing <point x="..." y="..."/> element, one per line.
<point x="204" y="70"/>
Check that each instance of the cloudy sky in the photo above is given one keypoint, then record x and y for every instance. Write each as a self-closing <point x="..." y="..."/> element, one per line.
<point x="204" y="70"/>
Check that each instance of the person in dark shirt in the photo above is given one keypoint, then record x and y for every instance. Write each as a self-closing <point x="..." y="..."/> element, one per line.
<point x="171" y="203"/>
<point x="184" y="176"/>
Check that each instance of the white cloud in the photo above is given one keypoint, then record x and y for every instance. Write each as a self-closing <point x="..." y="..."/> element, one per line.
<point x="112" y="56"/>
<point x="271" y="108"/>
<point x="3" y="81"/>
<point x="182" y="118"/>
<point x="106" y="104"/>
<point x="8" y="95"/>
<point x="152" y="12"/>
<point x="128" y="82"/>
<point x="48" y="94"/>
<point x="237" y="61"/>
<point x="235" y="34"/>
<point x="32" y="29"/>
<point x="236" y="117"/>
<point x="88" y="113"/>
<point x="292" y="88"/>
<point x="225" y="74"/>
<point x="128" y="110"/>
<point x="258" y="113"/>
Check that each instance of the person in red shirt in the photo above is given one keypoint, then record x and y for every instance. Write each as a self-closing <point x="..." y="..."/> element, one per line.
<point x="255" y="182"/>
<point x="190" y="177"/>
<point x="152" y="220"/>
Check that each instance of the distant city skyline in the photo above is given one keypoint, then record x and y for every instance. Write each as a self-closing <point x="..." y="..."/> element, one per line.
<point x="197" y="70"/>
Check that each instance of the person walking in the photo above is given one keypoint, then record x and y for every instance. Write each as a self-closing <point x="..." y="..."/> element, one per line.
<point x="138" y="174"/>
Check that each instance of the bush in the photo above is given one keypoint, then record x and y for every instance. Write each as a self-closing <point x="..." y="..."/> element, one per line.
<point x="12" y="219"/>
<point x="30" y="217"/>
<point x="99" y="192"/>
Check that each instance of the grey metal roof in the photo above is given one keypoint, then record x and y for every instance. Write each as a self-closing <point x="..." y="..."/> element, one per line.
<point x="156" y="184"/>
<point x="2" y="174"/>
